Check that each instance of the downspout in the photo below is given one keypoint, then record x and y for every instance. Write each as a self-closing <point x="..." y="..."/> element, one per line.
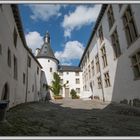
<point x="100" y="74"/>
<point x="26" y="80"/>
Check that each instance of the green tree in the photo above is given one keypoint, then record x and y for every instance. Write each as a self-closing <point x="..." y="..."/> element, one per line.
<point x="56" y="84"/>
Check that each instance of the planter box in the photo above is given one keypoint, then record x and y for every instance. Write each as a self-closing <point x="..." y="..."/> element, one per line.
<point x="58" y="97"/>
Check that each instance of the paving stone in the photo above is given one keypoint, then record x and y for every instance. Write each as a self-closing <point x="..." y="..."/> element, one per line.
<point x="71" y="118"/>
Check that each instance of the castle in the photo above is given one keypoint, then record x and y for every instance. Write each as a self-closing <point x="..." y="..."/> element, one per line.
<point x="72" y="75"/>
<point x="109" y="69"/>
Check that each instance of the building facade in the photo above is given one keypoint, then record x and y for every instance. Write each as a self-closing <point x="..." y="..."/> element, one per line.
<point x="19" y="69"/>
<point x="70" y="75"/>
<point x="111" y="60"/>
<point x="109" y="68"/>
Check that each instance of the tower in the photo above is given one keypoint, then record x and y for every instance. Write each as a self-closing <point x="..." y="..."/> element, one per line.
<point x="48" y="61"/>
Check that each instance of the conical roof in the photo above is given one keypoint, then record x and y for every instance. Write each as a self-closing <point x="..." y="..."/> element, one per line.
<point x="46" y="50"/>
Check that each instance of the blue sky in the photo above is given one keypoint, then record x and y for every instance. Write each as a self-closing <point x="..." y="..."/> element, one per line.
<point x="69" y="26"/>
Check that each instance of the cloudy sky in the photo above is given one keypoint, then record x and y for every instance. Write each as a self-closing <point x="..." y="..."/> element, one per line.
<point x="69" y="26"/>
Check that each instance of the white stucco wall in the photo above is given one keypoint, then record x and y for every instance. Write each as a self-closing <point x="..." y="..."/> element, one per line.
<point x="123" y="85"/>
<point x="47" y="75"/>
<point x="16" y="88"/>
<point x="71" y="77"/>
<point x="48" y="63"/>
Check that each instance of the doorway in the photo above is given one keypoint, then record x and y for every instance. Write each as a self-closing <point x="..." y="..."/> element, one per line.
<point x="66" y="92"/>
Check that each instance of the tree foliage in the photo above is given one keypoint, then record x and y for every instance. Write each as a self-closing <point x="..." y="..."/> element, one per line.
<point x="56" y="84"/>
<point x="74" y="94"/>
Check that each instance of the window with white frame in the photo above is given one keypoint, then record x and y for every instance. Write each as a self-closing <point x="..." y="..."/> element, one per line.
<point x="104" y="56"/>
<point x="110" y="16"/>
<point x="115" y="44"/>
<point x="107" y="79"/>
<point x="135" y="59"/>
<point x="129" y="26"/>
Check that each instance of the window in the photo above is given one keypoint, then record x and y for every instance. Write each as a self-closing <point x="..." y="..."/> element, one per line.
<point x="15" y="37"/>
<point x="135" y="59"/>
<point x="1" y="7"/>
<point x="61" y="73"/>
<point x="129" y="26"/>
<point x="89" y="72"/>
<point x="23" y="78"/>
<point x="99" y="82"/>
<point x="29" y="61"/>
<point x="67" y="82"/>
<point x="107" y="79"/>
<point x="78" y="90"/>
<point x="104" y="57"/>
<point x="110" y="17"/>
<point x="77" y="81"/>
<point x="115" y="44"/>
<point x="67" y="72"/>
<point x="37" y="70"/>
<point x="50" y="69"/>
<point x="9" y="57"/>
<point x="15" y="68"/>
<point x="97" y="63"/>
<point x="61" y="81"/>
<point x="92" y="66"/>
<point x="48" y="60"/>
<point x="77" y="73"/>
<point x="100" y="31"/>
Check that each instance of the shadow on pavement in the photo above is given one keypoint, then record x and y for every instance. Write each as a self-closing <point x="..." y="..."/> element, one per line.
<point x="62" y="118"/>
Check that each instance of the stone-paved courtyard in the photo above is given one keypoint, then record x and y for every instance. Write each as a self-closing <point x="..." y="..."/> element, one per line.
<point x="71" y="118"/>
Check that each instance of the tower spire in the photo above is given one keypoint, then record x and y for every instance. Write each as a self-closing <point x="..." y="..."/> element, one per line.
<point x="47" y="37"/>
<point x="46" y="50"/>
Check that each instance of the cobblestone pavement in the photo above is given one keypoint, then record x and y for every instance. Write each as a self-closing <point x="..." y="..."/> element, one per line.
<point x="71" y="118"/>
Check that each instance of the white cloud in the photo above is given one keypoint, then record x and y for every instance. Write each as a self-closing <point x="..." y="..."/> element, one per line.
<point x="83" y="15"/>
<point x="34" y="40"/>
<point x="44" y="12"/>
<point x="72" y="50"/>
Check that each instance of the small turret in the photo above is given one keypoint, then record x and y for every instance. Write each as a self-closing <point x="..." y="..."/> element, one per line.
<point x="46" y="50"/>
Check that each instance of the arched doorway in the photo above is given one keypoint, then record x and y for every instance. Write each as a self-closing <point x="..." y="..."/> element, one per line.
<point x="5" y="92"/>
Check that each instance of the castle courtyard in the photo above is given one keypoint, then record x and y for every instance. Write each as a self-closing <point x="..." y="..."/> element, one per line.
<point x="69" y="117"/>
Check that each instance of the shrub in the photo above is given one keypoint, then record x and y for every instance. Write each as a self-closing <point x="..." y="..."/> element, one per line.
<point x="74" y="94"/>
<point x="97" y="97"/>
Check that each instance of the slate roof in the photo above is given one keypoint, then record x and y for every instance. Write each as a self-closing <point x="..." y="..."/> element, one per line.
<point x="46" y="52"/>
<point x="63" y="68"/>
